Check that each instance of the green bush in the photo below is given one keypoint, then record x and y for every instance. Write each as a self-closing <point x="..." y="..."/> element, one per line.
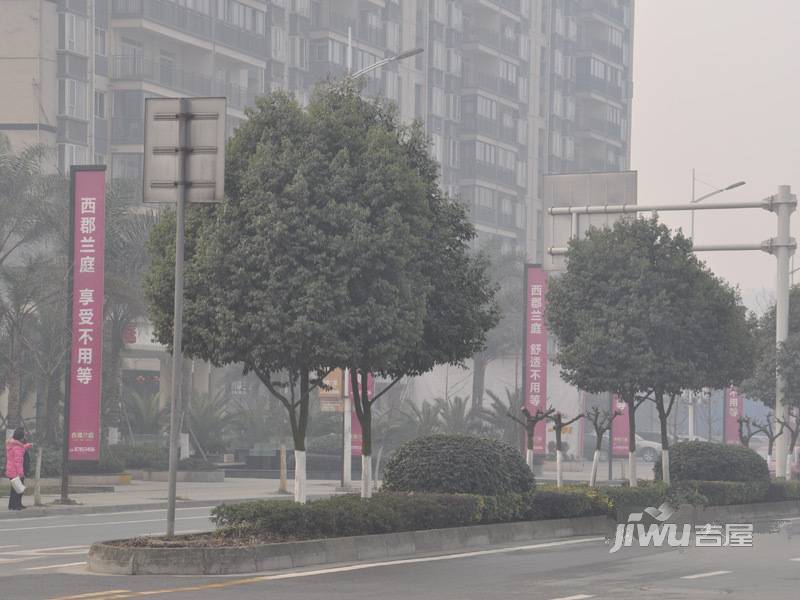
<point x="107" y="465"/>
<point x="709" y="461"/>
<point x="349" y="515"/>
<point x="723" y="493"/>
<point x="783" y="490"/>
<point x="150" y="457"/>
<point x="457" y="464"/>
<point x="330" y="443"/>
<point x="560" y="504"/>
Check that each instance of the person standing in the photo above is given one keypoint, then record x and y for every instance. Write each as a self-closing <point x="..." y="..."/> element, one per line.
<point x="15" y="465"/>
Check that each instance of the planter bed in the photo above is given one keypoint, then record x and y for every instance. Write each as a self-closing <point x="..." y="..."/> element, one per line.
<point x="213" y="555"/>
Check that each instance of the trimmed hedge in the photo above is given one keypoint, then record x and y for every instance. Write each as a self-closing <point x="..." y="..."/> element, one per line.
<point x="147" y="456"/>
<point x="783" y="490"/>
<point x="457" y="464"/>
<point x="709" y="461"/>
<point x="723" y="493"/>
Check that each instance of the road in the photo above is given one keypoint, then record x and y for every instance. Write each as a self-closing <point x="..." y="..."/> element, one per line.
<point x="42" y="558"/>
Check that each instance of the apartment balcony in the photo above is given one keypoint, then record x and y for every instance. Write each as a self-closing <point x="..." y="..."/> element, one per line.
<point x="599" y="127"/>
<point x="170" y="14"/>
<point x="136" y="68"/>
<point x="604" y="8"/>
<point x="478" y="125"/>
<point x="493" y="40"/>
<point x="127" y="130"/>
<point x="165" y="13"/>
<point x="491" y="83"/>
<point x="607" y="89"/>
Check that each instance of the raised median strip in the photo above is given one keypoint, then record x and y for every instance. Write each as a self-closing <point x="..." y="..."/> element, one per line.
<point x="221" y="560"/>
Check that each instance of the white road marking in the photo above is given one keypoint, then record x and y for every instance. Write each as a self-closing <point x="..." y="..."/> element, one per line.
<point x="576" y="597"/>
<point x="357" y="567"/>
<point x="795" y="559"/>
<point x="708" y="574"/>
<point x="93" y="594"/>
<point x="75" y="564"/>
<point x="11" y="546"/>
<point x="100" y="523"/>
<point x="52" y="549"/>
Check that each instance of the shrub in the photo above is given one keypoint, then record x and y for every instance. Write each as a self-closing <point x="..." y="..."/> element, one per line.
<point x="457" y="464"/>
<point x="147" y="456"/>
<point x="330" y="443"/>
<point x="560" y="504"/>
<point x="350" y="515"/>
<point x="708" y="461"/>
<point x="783" y="490"/>
<point x="722" y="493"/>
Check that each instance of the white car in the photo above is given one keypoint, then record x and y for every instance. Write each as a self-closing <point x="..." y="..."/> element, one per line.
<point x="646" y="450"/>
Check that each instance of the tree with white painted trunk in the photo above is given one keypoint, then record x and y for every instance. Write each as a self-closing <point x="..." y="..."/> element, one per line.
<point x="792" y="426"/>
<point x="601" y="421"/>
<point x="631" y="316"/>
<point x="559" y="424"/>
<point x="529" y="422"/>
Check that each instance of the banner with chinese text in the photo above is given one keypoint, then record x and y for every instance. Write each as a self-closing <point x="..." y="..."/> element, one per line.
<point x="734" y="409"/>
<point x="534" y="383"/>
<point x="620" y="428"/>
<point x="88" y="250"/>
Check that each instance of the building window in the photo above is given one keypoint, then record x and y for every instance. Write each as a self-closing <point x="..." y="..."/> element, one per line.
<point x="100" y="42"/>
<point x="508" y="71"/>
<point x="72" y="98"/>
<point x="597" y="68"/>
<point x="453" y="62"/>
<point x="437" y="101"/>
<point x="393" y="36"/>
<point x="438" y="56"/>
<point x="455" y="154"/>
<point x="437" y="148"/>
<point x="439" y="12"/>
<point x="278" y="35"/>
<point x="454" y="107"/>
<point x="485" y="152"/>
<point x="75" y="33"/>
<point x="100" y="105"/>
<point x="126" y="166"/>
<point x="615" y="37"/>
<point x="456" y="16"/>
<point x="487" y="108"/>
<point x="71" y="154"/>
<point x="506" y="159"/>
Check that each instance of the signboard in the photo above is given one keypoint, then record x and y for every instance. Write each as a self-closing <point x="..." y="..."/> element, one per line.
<point x="331" y="399"/>
<point x="734" y="410"/>
<point x="620" y="428"/>
<point x="184" y="149"/>
<point x="581" y="189"/>
<point x="86" y="349"/>
<point x="356" y="444"/>
<point x="535" y="350"/>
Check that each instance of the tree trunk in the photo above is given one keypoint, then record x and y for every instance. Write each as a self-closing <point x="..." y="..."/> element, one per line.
<point x="631" y="402"/>
<point x="663" y="421"/>
<point x="559" y="468"/>
<point x="366" y="436"/>
<point x="595" y="464"/>
<point x="300" y="476"/>
<point x="529" y="458"/>
<point x="14" y="412"/>
<point x="366" y="476"/>
<point x="479" y="364"/>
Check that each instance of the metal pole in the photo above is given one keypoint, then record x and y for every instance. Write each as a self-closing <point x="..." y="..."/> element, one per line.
<point x="70" y="275"/>
<point x="611" y="408"/>
<point x="783" y="249"/>
<point x="177" y="325"/>
<point x="347" y="434"/>
<point x="693" y="196"/>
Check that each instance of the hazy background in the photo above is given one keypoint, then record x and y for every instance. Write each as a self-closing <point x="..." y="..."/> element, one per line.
<point x="717" y="88"/>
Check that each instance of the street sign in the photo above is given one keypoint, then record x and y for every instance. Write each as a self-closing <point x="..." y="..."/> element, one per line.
<point x="184" y="149"/>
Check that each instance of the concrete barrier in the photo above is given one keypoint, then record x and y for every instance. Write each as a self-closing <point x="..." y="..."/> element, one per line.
<point x="106" y="557"/>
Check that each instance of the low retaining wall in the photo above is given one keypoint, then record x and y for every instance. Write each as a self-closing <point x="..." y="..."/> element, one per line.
<point x="120" y="560"/>
<point x="189" y="476"/>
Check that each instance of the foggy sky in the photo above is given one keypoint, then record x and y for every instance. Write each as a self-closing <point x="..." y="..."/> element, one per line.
<point x="717" y="88"/>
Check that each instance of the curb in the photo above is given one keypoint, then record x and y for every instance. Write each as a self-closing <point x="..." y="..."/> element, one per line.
<point x="120" y="560"/>
<point x="51" y="510"/>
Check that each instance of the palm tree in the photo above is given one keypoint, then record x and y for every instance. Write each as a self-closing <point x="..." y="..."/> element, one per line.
<point x="424" y="419"/>
<point x="145" y="413"/>
<point x="457" y="416"/>
<point x="208" y="421"/>
<point x="500" y="423"/>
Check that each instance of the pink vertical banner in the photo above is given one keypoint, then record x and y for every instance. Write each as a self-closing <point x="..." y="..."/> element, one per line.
<point x="86" y="352"/>
<point x="534" y="378"/>
<point x="356" y="443"/>
<point x="734" y="410"/>
<point x="620" y="428"/>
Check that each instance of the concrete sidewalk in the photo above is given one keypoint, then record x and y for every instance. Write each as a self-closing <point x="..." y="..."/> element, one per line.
<point x="142" y="495"/>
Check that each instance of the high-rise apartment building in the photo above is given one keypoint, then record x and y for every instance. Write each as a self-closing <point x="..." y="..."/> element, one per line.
<point x="588" y="86"/>
<point x="508" y="90"/>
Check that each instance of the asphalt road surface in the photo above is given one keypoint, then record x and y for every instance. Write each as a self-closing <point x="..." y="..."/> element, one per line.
<point x="43" y="558"/>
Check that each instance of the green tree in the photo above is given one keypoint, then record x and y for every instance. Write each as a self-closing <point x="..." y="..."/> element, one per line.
<point x="416" y="296"/>
<point x="639" y="315"/>
<point x="265" y="276"/>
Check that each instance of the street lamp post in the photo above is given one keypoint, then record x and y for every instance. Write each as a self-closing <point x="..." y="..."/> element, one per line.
<point x="695" y="200"/>
<point x="347" y="433"/>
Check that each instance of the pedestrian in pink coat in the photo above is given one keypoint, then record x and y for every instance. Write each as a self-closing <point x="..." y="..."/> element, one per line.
<point x="15" y="465"/>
